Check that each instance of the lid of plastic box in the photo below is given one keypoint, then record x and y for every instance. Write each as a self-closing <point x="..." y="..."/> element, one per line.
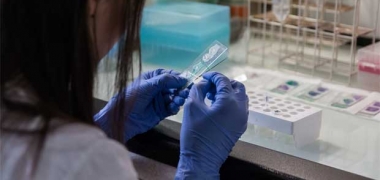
<point x="369" y="59"/>
<point x="185" y="24"/>
<point x="372" y="51"/>
<point x="180" y="10"/>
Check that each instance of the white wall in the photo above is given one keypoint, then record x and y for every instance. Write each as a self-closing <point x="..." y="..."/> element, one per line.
<point x="367" y="9"/>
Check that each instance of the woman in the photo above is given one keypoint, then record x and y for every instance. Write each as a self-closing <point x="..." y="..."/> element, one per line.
<point x="49" y="52"/>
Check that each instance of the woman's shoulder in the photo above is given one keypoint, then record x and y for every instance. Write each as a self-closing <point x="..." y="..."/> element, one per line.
<point x="78" y="139"/>
<point x="85" y="152"/>
<point x="70" y="151"/>
<point x="73" y="133"/>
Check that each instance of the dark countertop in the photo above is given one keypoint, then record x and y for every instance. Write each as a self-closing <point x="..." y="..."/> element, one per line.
<point x="246" y="161"/>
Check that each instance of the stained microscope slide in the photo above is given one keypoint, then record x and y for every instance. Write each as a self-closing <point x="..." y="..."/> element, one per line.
<point x="215" y="54"/>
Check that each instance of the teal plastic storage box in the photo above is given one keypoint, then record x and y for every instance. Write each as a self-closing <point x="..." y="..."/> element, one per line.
<point x="173" y="34"/>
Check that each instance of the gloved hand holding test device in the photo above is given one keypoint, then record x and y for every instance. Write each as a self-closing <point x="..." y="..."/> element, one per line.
<point x="215" y="54"/>
<point x="210" y="131"/>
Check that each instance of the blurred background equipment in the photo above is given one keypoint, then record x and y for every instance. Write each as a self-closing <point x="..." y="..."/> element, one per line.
<point x="314" y="37"/>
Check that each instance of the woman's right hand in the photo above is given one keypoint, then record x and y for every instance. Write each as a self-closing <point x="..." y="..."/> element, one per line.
<point x="209" y="133"/>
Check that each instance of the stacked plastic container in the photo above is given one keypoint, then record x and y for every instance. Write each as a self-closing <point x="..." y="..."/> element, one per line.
<point x="369" y="67"/>
<point x="174" y="33"/>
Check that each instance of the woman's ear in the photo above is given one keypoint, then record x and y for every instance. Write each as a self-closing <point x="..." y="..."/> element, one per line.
<point x="92" y="8"/>
<point x="92" y="4"/>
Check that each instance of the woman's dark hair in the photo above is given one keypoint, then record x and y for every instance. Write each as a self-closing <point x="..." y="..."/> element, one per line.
<point x="47" y="45"/>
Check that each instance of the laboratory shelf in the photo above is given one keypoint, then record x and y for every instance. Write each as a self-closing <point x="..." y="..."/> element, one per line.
<point x="312" y="6"/>
<point x="310" y="25"/>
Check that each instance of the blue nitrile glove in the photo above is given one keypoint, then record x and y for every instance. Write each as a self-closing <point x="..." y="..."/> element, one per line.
<point x="209" y="133"/>
<point x="157" y="98"/>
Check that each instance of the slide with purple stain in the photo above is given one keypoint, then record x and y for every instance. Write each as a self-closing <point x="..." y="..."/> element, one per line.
<point x="347" y="101"/>
<point x="314" y="93"/>
<point x="372" y="109"/>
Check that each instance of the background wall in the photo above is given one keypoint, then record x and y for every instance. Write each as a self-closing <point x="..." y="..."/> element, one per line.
<point x="368" y="10"/>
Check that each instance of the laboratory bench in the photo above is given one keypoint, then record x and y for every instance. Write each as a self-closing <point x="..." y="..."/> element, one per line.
<point x="348" y="146"/>
<point x="160" y="147"/>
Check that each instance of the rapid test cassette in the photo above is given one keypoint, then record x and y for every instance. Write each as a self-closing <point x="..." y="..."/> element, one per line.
<point x="301" y="121"/>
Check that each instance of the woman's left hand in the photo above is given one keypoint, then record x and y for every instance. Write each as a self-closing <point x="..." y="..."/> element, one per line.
<point x="154" y="95"/>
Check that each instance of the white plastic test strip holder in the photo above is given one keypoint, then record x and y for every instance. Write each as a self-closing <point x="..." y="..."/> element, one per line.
<point x="301" y="121"/>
